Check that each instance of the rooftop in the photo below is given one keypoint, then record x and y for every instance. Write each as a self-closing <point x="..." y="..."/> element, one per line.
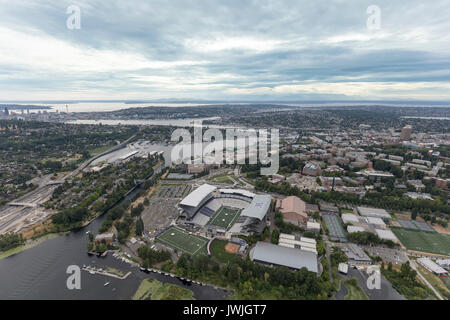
<point x="194" y="198"/>
<point x="258" y="207"/>
<point x="289" y="257"/>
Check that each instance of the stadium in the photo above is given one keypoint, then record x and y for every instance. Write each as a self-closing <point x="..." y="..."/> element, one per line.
<point x="224" y="212"/>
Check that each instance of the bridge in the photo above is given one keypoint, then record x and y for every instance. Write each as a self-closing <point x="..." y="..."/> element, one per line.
<point x="23" y="204"/>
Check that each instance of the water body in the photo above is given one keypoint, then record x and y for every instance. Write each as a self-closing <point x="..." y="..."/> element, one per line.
<point x="185" y="122"/>
<point x="426" y="118"/>
<point x="40" y="272"/>
<point x="104" y="106"/>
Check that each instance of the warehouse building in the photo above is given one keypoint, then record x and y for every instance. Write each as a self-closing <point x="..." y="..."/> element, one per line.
<point x="302" y="243"/>
<point x="386" y="235"/>
<point x="444" y="263"/>
<point x="431" y="266"/>
<point x="353" y="229"/>
<point x="356" y="255"/>
<point x="375" y="213"/>
<point x="293" y="210"/>
<point x="274" y="255"/>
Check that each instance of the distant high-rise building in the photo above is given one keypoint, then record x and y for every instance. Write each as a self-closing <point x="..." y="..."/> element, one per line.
<point x="6" y="111"/>
<point x="406" y="133"/>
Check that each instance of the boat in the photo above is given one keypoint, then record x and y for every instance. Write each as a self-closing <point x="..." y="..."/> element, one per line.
<point x="91" y="271"/>
<point x="106" y="284"/>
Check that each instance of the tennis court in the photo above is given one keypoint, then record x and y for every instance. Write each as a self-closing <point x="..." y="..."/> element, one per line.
<point x="415" y="225"/>
<point x="224" y="218"/>
<point x="182" y="240"/>
<point x="334" y="226"/>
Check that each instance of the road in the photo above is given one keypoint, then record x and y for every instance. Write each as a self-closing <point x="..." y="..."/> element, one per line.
<point x="24" y="211"/>
<point x="414" y="266"/>
<point x="327" y="255"/>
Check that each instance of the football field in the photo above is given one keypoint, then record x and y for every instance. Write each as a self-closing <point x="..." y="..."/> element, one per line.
<point x="224" y="218"/>
<point x="181" y="239"/>
<point x="423" y="241"/>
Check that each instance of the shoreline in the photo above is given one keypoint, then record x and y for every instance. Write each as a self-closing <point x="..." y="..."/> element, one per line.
<point x="30" y="244"/>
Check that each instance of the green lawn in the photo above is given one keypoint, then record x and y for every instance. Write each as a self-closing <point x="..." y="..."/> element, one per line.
<point x="180" y="239"/>
<point x="354" y="291"/>
<point x="28" y="245"/>
<point x="423" y="241"/>
<point x="218" y="251"/>
<point x="152" y="289"/>
<point x="115" y="272"/>
<point x="98" y="150"/>
<point x="224" y="218"/>
<point x="221" y="178"/>
<point x="435" y="281"/>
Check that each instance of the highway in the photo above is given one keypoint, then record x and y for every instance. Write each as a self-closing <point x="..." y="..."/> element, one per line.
<point x="25" y="211"/>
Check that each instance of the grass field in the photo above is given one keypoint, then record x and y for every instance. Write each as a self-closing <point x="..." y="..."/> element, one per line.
<point x="181" y="240"/>
<point x="152" y="289"/>
<point x="446" y="281"/>
<point x="435" y="281"/>
<point x="423" y="241"/>
<point x="218" y="251"/>
<point x="224" y="218"/>
<point x="221" y="178"/>
<point x="354" y="291"/>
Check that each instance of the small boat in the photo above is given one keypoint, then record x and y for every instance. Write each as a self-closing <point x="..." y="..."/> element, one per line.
<point x="106" y="284"/>
<point x="91" y="271"/>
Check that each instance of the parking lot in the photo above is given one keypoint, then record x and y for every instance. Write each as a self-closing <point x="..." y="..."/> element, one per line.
<point x="396" y="256"/>
<point x="162" y="209"/>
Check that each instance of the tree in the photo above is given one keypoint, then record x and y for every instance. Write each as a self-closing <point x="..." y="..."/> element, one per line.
<point x="139" y="226"/>
<point x="275" y="236"/>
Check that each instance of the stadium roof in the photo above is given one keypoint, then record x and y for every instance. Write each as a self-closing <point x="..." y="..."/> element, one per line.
<point x="194" y="198"/>
<point x="238" y="191"/>
<point x="258" y="207"/>
<point x="284" y="256"/>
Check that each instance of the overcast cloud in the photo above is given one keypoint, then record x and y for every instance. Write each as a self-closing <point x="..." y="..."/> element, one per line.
<point x="208" y="49"/>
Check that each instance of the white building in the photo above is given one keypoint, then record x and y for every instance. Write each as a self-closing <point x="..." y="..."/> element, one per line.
<point x="431" y="266"/>
<point x="386" y="235"/>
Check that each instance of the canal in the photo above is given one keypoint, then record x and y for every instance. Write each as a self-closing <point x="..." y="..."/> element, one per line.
<point x="40" y="272"/>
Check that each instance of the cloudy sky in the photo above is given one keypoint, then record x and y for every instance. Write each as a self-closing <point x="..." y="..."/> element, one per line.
<point x="225" y="49"/>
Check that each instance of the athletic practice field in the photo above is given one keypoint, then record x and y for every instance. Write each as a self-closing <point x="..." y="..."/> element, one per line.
<point x="423" y="241"/>
<point x="181" y="239"/>
<point x="224" y="218"/>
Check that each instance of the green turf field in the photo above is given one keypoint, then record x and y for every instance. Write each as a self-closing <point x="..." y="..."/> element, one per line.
<point x="423" y="241"/>
<point x="218" y="251"/>
<point x="181" y="239"/>
<point x="224" y="218"/>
